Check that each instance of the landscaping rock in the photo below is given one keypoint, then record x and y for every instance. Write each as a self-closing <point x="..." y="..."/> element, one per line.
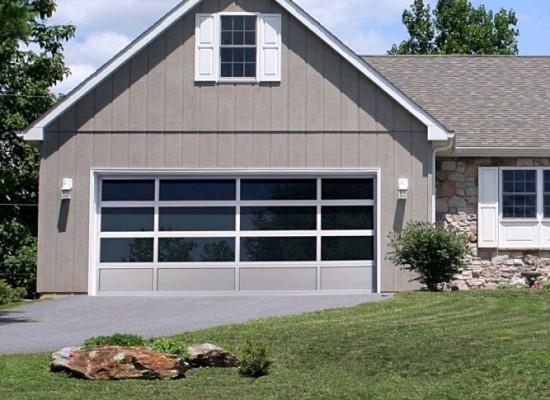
<point x="208" y="355"/>
<point x="530" y="259"/>
<point x="117" y="362"/>
<point x="517" y="281"/>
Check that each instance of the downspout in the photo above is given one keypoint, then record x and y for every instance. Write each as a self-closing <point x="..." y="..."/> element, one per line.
<point x="434" y="180"/>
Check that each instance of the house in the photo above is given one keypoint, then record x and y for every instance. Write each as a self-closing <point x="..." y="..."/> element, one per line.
<point x="238" y="146"/>
<point x="493" y="183"/>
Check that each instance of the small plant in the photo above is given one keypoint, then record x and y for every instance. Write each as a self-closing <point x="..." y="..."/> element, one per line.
<point x="9" y="294"/>
<point x="255" y="359"/>
<point x="170" y="346"/>
<point x="118" y="339"/>
<point x="436" y="254"/>
<point x="20" y="269"/>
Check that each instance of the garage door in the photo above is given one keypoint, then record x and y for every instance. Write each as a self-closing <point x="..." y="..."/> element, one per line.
<point x="235" y="234"/>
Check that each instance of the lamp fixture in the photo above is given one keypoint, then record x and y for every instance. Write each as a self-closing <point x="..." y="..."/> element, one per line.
<point x="66" y="188"/>
<point x="402" y="188"/>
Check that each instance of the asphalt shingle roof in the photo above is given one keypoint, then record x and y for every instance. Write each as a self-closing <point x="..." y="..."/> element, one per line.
<point x="488" y="101"/>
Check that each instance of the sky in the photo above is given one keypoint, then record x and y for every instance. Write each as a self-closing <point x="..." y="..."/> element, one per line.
<point x="104" y="27"/>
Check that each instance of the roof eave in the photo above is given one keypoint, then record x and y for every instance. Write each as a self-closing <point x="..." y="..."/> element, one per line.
<point x="501" y="152"/>
<point x="436" y="134"/>
<point x="34" y="134"/>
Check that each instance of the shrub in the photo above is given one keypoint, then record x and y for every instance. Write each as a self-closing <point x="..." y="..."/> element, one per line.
<point x="8" y="294"/>
<point x="436" y="254"/>
<point x="255" y="359"/>
<point x="508" y="285"/>
<point x="118" y="339"/>
<point x="20" y="268"/>
<point x="170" y="346"/>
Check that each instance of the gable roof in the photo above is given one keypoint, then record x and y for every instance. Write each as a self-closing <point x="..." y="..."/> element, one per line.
<point x="488" y="101"/>
<point x="436" y="131"/>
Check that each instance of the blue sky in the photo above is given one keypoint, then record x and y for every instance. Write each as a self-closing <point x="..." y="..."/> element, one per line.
<point x="104" y="27"/>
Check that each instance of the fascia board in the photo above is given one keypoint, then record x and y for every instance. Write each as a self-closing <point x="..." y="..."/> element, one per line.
<point x="436" y="131"/>
<point x="501" y="152"/>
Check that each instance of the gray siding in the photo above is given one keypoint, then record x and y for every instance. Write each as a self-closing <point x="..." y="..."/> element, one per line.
<point x="151" y="114"/>
<point x="156" y="91"/>
<point x="64" y="227"/>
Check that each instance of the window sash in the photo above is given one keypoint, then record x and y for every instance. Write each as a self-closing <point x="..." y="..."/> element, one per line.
<point x="223" y="61"/>
<point x="517" y="199"/>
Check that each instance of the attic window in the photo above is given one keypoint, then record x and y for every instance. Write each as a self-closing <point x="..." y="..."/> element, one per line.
<point x="238" y="46"/>
<point x="235" y="47"/>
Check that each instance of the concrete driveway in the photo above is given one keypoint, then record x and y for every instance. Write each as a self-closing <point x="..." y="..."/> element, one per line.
<point x="68" y="321"/>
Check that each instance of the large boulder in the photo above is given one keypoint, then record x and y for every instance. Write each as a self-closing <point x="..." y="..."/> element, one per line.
<point x="116" y="362"/>
<point x="208" y="355"/>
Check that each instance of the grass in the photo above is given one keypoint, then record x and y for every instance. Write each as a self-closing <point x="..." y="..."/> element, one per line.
<point x="464" y="345"/>
<point x="17" y="304"/>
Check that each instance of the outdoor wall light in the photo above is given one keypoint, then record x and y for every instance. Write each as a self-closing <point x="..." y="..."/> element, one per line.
<point x="402" y="188"/>
<point x="66" y="188"/>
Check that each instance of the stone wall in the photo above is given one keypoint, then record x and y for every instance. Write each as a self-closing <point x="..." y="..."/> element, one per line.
<point x="457" y="198"/>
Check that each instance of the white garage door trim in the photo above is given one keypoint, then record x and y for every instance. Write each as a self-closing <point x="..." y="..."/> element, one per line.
<point x="95" y="215"/>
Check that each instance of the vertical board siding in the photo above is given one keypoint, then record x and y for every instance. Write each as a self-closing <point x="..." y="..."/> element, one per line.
<point x="385" y="159"/>
<point x="63" y="257"/>
<point x="119" y="150"/>
<point x="84" y="162"/>
<point x="319" y="90"/>
<point x="138" y="92"/>
<point x="49" y="187"/>
<point x="121" y="100"/>
<point x="156" y="85"/>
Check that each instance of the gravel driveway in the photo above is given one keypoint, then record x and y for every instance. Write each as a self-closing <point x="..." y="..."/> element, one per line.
<point x="68" y="321"/>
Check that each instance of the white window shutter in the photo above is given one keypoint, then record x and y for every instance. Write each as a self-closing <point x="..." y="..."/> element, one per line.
<point x="488" y="207"/>
<point x="206" y="48"/>
<point x="269" y="47"/>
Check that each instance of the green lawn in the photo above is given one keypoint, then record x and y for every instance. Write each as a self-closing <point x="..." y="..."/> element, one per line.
<point x="477" y="345"/>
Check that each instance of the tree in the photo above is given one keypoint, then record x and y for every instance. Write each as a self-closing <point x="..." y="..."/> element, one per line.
<point x="31" y="62"/>
<point x="14" y="19"/>
<point x="457" y="27"/>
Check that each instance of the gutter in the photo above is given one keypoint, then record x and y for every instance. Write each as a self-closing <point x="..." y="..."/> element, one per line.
<point x="501" y="152"/>
<point x="434" y="156"/>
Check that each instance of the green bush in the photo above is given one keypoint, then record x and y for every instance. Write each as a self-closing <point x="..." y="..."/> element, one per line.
<point x="8" y="294"/>
<point x="436" y="254"/>
<point x="20" y="268"/>
<point x="255" y="359"/>
<point x="118" y="339"/>
<point x="170" y="346"/>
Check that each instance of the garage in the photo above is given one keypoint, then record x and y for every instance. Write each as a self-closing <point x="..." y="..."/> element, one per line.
<point x="222" y="234"/>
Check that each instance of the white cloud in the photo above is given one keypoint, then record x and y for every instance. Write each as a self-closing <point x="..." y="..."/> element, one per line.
<point x="130" y="17"/>
<point x="104" y="27"/>
<point x="95" y="48"/>
<point x="334" y="14"/>
<point x="364" y="25"/>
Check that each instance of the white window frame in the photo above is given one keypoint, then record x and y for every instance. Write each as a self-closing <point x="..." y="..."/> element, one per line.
<point x="262" y="47"/>
<point x="515" y="233"/>
<point x="218" y="58"/>
<point x="96" y="235"/>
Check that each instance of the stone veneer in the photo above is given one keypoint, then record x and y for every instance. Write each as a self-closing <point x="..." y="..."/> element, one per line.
<point x="457" y="198"/>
